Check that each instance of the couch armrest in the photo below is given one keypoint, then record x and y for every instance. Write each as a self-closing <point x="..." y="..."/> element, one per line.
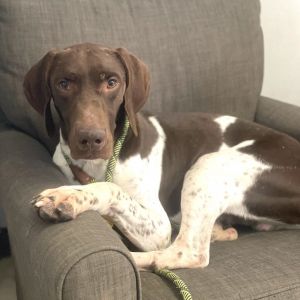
<point x="279" y="115"/>
<point x="80" y="259"/>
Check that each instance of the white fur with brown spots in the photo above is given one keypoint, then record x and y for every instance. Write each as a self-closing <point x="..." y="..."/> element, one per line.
<point x="133" y="205"/>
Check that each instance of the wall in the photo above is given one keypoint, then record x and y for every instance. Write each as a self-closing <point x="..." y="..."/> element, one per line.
<point x="281" y="26"/>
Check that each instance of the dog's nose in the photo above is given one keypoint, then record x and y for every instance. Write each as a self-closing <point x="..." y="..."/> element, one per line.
<point x="91" y="139"/>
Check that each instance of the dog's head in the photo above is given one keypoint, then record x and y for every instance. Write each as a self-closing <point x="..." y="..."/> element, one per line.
<point x="91" y="87"/>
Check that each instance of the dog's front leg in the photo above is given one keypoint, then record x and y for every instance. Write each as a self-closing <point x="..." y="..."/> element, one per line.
<point x="146" y="227"/>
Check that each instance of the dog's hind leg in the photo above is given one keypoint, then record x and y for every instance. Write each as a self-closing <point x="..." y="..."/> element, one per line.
<point x="200" y="207"/>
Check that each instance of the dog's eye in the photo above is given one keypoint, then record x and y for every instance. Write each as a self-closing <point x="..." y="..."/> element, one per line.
<point x="111" y="83"/>
<point x="64" y="84"/>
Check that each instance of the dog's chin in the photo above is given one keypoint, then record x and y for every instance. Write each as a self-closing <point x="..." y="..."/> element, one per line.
<point x="104" y="155"/>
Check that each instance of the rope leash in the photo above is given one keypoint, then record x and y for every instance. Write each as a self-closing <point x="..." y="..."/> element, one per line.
<point x="177" y="281"/>
<point x="116" y="152"/>
<point x="167" y="274"/>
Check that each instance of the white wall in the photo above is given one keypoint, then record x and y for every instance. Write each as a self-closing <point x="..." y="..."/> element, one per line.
<point x="281" y="26"/>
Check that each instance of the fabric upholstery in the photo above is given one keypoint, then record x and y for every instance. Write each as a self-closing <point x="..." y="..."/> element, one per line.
<point x="204" y="56"/>
<point x="279" y="115"/>
<point x="55" y="261"/>
<point x="256" y="266"/>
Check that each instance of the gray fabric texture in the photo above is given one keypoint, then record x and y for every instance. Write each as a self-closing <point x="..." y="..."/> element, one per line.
<point x="203" y="56"/>
<point x="256" y="266"/>
<point x="57" y="261"/>
<point x="110" y="286"/>
<point x="279" y="115"/>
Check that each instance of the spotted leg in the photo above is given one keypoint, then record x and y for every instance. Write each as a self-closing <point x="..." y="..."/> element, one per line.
<point x="201" y="204"/>
<point x="146" y="227"/>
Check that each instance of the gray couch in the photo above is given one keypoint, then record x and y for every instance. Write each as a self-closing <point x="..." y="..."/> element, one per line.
<point x="204" y="55"/>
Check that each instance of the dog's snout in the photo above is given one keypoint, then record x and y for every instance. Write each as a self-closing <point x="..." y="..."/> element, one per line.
<point x="91" y="139"/>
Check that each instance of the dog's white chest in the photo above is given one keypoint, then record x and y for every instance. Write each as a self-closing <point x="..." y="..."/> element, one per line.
<point x="141" y="177"/>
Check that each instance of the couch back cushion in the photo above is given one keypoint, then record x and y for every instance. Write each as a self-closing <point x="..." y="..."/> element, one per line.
<point x="203" y="55"/>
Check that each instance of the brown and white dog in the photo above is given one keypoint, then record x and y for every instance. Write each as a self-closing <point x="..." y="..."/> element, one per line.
<point x="219" y="164"/>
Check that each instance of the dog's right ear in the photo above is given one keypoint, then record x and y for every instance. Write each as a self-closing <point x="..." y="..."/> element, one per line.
<point x="37" y="89"/>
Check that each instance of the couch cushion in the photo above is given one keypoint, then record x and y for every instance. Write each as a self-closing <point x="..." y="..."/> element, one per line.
<point x="279" y="115"/>
<point x="256" y="266"/>
<point x="205" y="55"/>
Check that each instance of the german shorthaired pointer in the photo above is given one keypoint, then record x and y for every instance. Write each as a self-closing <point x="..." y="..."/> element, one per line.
<point x="219" y="164"/>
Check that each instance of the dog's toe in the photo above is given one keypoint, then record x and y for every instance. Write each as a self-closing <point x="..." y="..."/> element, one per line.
<point x="65" y="211"/>
<point x="48" y="213"/>
<point x="232" y="234"/>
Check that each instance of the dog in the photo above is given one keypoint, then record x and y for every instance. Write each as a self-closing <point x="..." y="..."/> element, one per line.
<point x="203" y="165"/>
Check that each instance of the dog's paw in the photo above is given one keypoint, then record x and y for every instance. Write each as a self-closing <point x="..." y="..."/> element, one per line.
<point x="60" y="204"/>
<point x="220" y="234"/>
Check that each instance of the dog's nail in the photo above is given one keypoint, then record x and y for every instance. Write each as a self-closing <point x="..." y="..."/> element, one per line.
<point x="35" y="199"/>
<point x="39" y="203"/>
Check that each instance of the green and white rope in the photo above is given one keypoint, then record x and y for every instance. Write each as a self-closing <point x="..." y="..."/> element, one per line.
<point x="169" y="275"/>
<point x="177" y="281"/>
<point x="116" y="152"/>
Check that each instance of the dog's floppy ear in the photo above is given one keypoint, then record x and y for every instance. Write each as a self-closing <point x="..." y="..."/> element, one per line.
<point x="138" y="83"/>
<point x="37" y="89"/>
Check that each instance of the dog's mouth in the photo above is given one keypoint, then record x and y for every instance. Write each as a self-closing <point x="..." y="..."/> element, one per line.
<point x="104" y="154"/>
<point x="90" y="156"/>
